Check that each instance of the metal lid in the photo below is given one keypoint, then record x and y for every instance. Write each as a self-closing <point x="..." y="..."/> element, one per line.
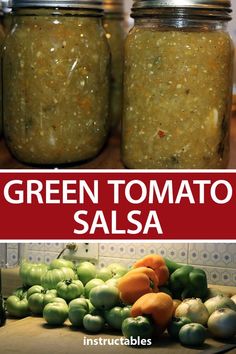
<point x="6" y="6"/>
<point x="113" y="6"/>
<point x="217" y="8"/>
<point x="75" y="4"/>
<point x="199" y="4"/>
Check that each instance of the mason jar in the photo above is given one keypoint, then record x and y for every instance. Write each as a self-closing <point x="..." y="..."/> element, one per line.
<point x="2" y="37"/>
<point x="178" y="85"/>
<point x="113" y="23"/>
<point x="7" y="12"/>
<point x="56" y="66"/>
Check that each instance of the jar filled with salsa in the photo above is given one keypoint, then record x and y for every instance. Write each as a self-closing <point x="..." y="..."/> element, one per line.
<point x="113" y="23"/>
<point x="56" y="65"/>
<point x="2" y="37"/>
<point x="178" y="85"/>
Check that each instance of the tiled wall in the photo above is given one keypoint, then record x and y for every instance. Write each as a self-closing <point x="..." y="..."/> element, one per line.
<point x="217" y="259"/>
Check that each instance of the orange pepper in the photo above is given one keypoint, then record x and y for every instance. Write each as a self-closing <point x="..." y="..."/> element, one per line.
<point x="157" y="263"/>
<point x="159" y="306"/>
<point x="136" y="283"/>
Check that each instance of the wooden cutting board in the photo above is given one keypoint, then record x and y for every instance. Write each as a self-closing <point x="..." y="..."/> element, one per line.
<point x="32" y="336"/>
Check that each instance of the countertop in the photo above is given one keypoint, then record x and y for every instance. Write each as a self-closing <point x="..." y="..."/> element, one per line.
<point x="32" y="336"/>
<point x="109" y="158"/>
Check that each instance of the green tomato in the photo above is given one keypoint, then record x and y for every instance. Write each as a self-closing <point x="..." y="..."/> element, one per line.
<point x="39" y="300"/>
<point x="70" y="289"/>
<point x="93" y="323"/>
<point x="61" y="263"/>
<point x="54" y="276"/>
<point x="34" y="289"/>
<point x="116" y="316"/>
<point x="175" y="326"/>
<point x="31" y="273"/>
<point x="117" y="270"/>
<point x="92" y="284"/>
<point x="78" y="308"/>
<point x="112" y="282"/>
<point x="192" y="334"/>
<point x="21" y="292"/>
<point x="104" y="274"/>
<point x="222" y="323"/>
<point x="86" y="271"/>
<point x="59" y="300"/>
<point x="137" y="327"/>
<point x="104" y="297"/>
<point x="17" y="307"/>
<point x="91" y="307"/>
<point x="55" y="313"/>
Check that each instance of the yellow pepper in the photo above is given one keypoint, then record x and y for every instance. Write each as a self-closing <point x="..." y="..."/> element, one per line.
<point x="159" y="306"/>
<point x="136" y="283"/>
<point x="157" y="263"/>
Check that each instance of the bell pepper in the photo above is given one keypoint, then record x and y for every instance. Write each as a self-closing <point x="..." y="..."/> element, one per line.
<point x="136" y="283"/>
<point x="157" y="263"/>
<point x="187" y="282"/>
<point x="159" y="306"/>
<point x="172" y="266"/>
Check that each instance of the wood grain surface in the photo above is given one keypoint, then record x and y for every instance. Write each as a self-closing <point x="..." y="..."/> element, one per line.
<point x="33" y="336"/>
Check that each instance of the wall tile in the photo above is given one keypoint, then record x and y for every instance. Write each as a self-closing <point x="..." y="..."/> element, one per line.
<point x="213" y="254"/>
<point x="105" y="261"/>
<point x="12" y="257"/>
<point x="49" y="257"/>
<point x="35" y="256"/>
<point x="36" y="246"/>
<point x="218" y="260"/>
<point x="54" y="247"/>
<point x="176" y="251"/>
<point x="2" y="254"/>
<point x="13" y="246"/>
<point x="220" y="276"/>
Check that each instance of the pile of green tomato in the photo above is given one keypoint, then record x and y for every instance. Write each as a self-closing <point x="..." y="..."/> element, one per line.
<point x="90" y="300"/>
<point x="86" y="296"/>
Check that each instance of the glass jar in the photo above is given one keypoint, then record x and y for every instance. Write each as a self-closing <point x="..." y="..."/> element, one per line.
<point x="56" y="66"/>
<point x="178" y="85"/>
<point x="113" y="23"/>
<point x="7" y="11"/>
<point x="2" y="37"/>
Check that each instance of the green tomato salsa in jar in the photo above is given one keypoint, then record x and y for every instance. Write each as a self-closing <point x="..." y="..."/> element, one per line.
<point x="56" y="81"/>
<point x="178" y="85"/>
<point x="2" y="37"/>
<point x="113" y="23"/>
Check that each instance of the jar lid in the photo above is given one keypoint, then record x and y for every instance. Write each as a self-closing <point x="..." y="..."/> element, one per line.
<point x="6" y="6"/>
<point x="75" y="4"/>
<point x="199" y="4"/>
<point x="113" y="6"/>
<point x="221" y="8"/>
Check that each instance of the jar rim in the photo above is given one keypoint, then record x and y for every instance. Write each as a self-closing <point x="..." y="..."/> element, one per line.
<point x="202" y="8"/>
<point x="6" y="6"/>
<point x="72" y="4"/>
<point x="200" y="4"/>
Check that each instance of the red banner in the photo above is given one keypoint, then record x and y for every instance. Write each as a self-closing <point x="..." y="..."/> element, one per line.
<point x="109" y="205"/>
